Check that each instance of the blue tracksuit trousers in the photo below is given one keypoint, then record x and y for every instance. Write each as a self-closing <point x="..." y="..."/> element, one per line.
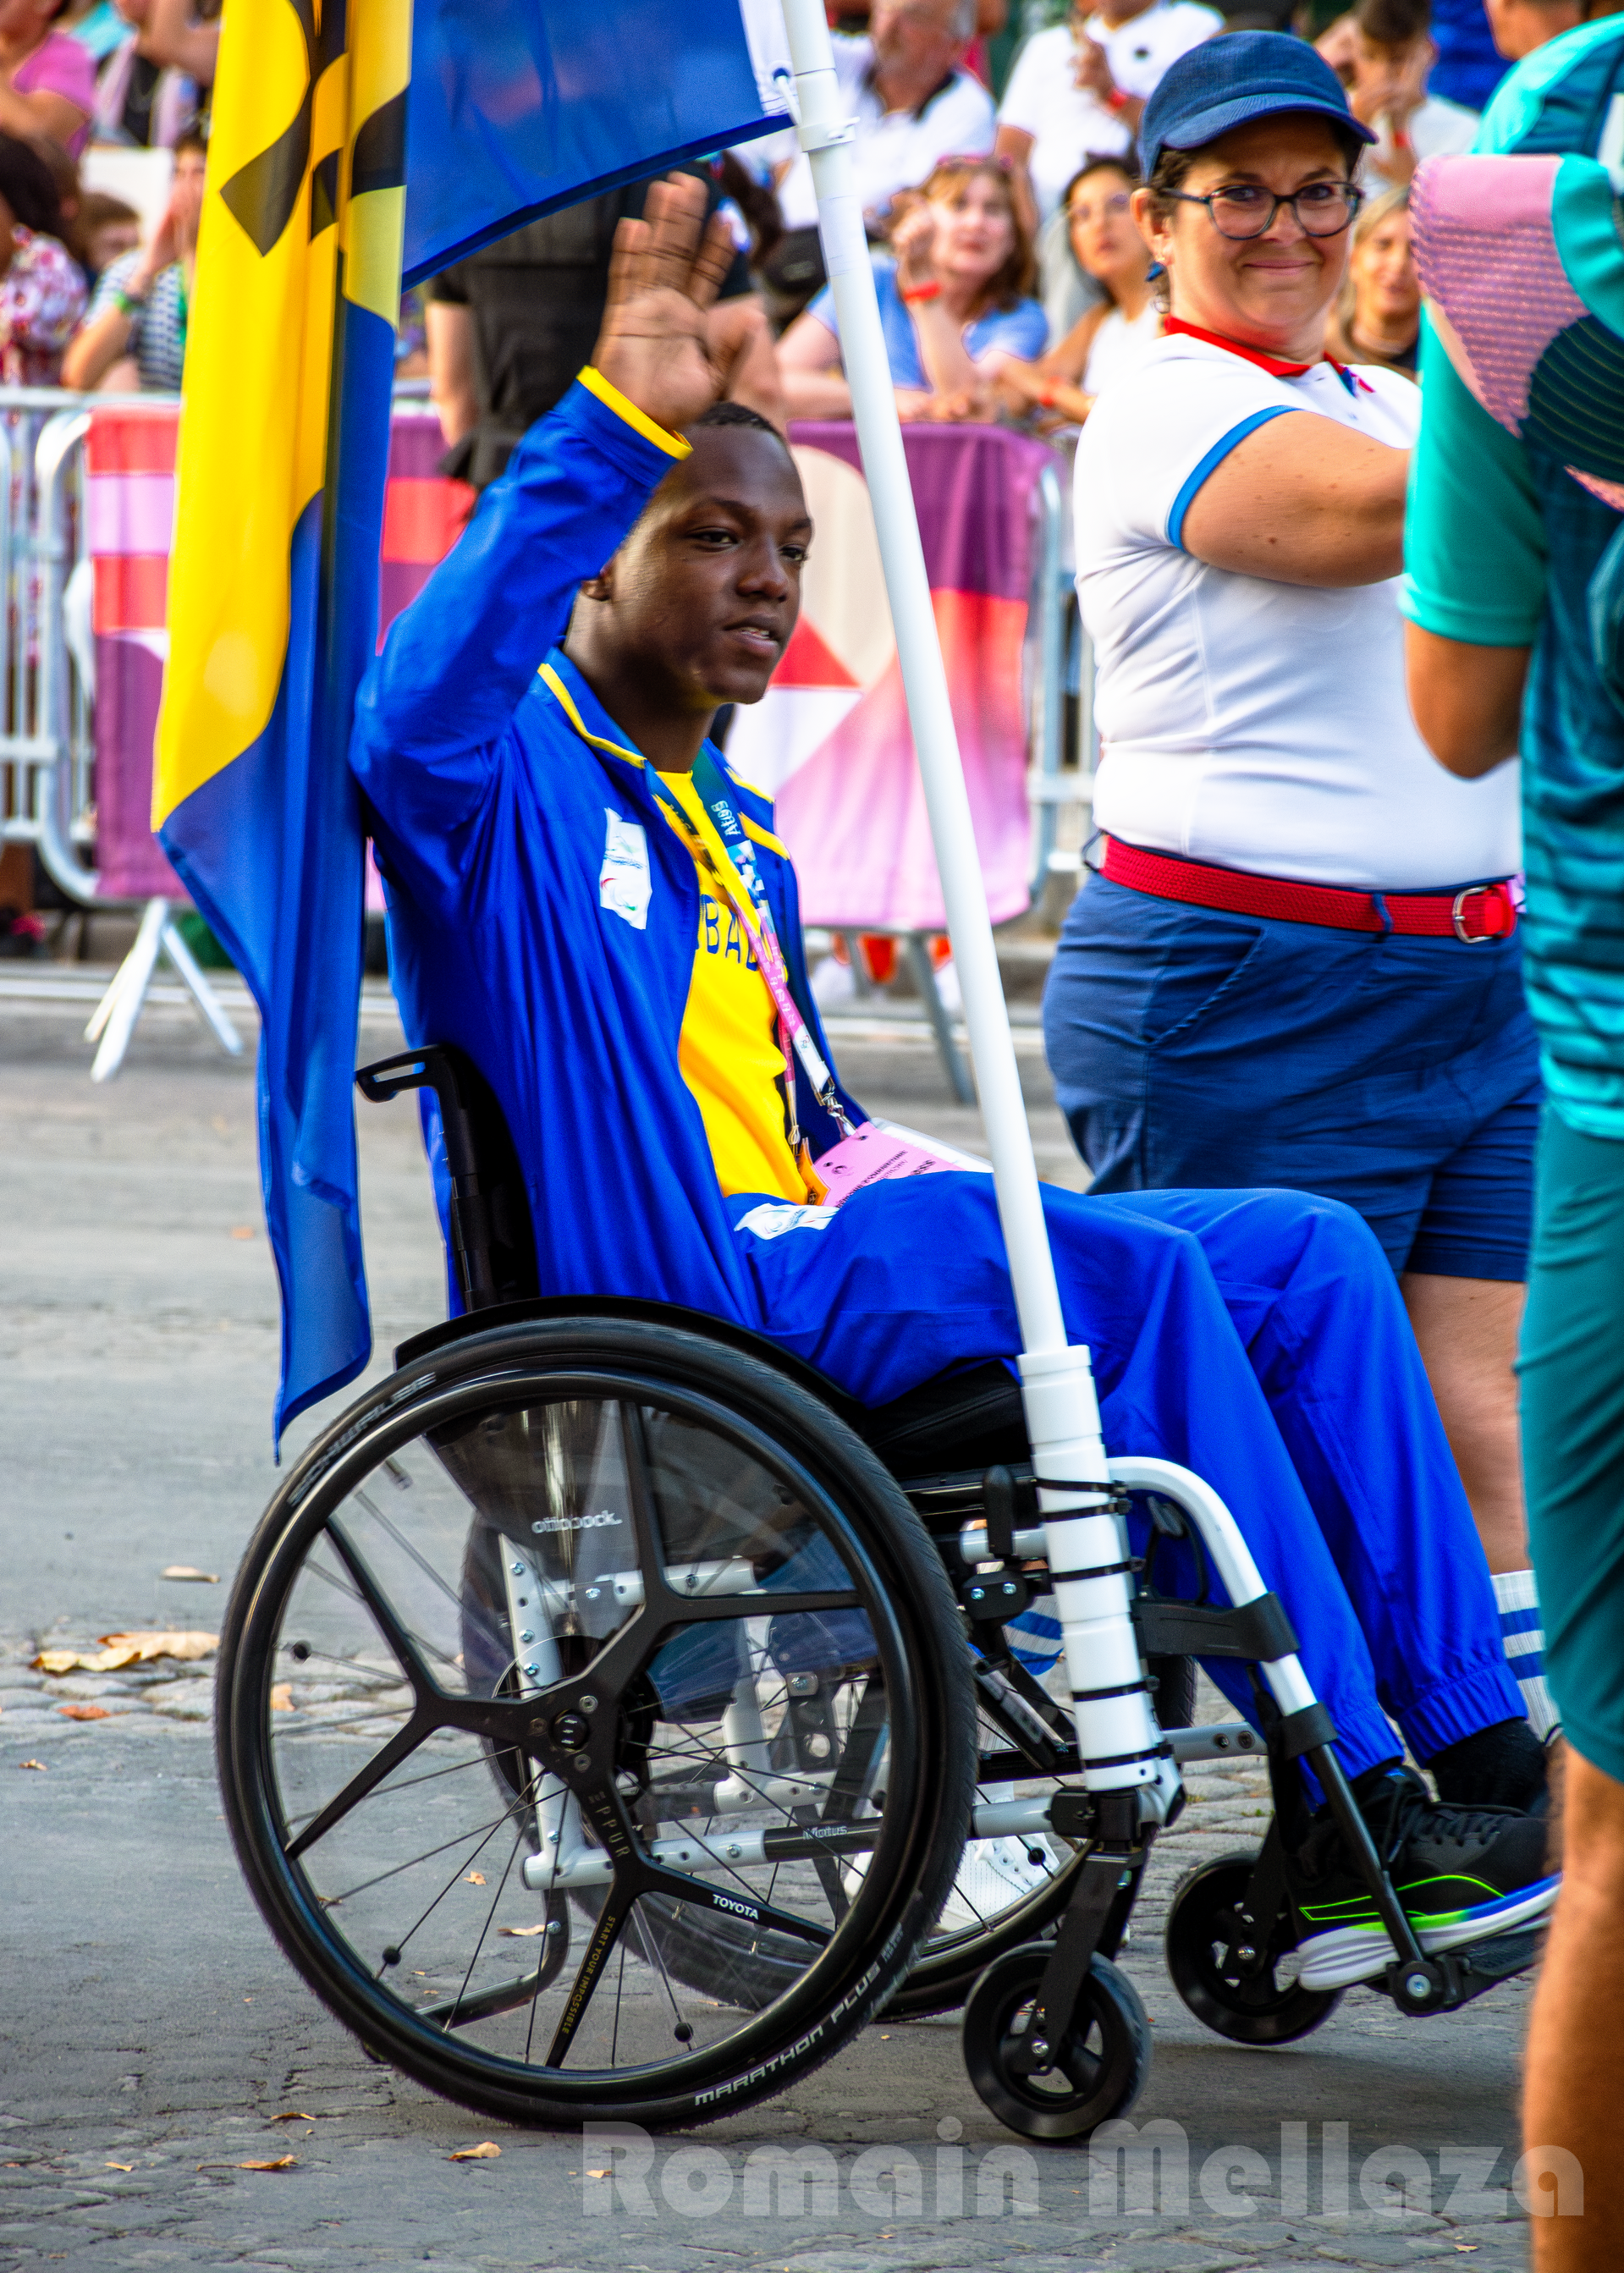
<point x="1257" y="1337"/>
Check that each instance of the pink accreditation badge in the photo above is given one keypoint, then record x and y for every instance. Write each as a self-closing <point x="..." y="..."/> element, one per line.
<point x="880" y="1152"/>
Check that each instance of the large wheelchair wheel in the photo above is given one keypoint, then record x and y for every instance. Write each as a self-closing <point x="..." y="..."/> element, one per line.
<point x="598" y="1617"/>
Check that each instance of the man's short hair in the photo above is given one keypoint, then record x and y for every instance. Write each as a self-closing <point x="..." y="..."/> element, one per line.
<point x="737" y="414"/>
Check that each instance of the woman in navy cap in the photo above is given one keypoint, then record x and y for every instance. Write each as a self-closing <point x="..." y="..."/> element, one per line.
<point x="1298" y="963"/>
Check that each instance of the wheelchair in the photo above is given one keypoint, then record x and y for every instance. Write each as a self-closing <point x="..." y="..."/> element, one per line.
<point x="614" y="1718"/>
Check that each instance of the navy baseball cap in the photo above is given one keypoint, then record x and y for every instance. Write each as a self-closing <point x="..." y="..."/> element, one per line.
<point x="1238" y="77"/>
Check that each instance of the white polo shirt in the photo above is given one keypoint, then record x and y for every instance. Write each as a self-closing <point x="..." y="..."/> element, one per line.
<point x="1066" y="122"/>
<point x="1253" y="724"/>
<point x="893" y="149"/>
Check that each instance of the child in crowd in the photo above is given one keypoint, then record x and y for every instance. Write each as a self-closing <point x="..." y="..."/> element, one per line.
<point x="135" y="334"/>
<point x="108" y="229"/>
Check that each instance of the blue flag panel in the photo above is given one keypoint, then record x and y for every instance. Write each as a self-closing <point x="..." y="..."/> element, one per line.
<point x="518" y="107"/>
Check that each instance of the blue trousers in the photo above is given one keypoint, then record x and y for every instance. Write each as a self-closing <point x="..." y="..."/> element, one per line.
<point x="1258" y="1337"/>
<point x="1398" y="1075"/>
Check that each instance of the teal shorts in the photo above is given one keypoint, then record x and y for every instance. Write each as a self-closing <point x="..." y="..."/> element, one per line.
<point x="1572" y="1368"/>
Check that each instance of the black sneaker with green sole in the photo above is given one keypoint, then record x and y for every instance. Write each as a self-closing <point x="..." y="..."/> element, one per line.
<point x="1461" y="1873"/>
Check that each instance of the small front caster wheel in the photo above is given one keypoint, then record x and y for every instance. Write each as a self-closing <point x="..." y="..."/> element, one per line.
<point x="1243" y="1991"/>
<point x="1096" y="2070"/>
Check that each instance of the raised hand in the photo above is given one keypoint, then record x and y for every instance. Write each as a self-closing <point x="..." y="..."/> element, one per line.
<point x="914" y="241"/>
<point x="663" y="276"/>
<point x="1091" y="69"/>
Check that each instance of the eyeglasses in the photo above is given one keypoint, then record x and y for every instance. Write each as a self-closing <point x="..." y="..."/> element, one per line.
<point x="1245" y="209"/>
<point x="1119" y="202"/>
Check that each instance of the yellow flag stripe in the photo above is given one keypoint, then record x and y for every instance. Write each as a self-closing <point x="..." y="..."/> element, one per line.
<point x="253" y="435"/>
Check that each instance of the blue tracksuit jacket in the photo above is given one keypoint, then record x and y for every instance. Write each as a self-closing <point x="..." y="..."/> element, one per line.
<point x="1258" y="1338"/>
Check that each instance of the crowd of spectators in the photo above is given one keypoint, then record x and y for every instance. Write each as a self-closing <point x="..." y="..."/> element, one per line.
<point x="969" y="243"/>
<point x="88" y="298"/>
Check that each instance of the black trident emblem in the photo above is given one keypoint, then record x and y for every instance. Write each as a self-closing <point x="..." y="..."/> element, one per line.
<point x="262" y="194"/>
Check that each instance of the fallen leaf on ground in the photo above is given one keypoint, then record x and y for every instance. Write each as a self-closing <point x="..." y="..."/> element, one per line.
<point x="32" y="1763"/>
<point x="185" y="1571"/>
<point x="242" y="1231"/>
<point x="486" y="2151"/>
<point x="83" y="1712"/>
<point x="118" y="2166"/>
<point x="600" y="2174"/>
<point x="522" y="1932"/>
<point x="87" y="1660"/>
<point x="274" y="2163"/>
<point x="281" y="1696"/>
<point x="163" y="1641"/>
<point x="474" y="1878"/>
<point x="294" y="2115"/>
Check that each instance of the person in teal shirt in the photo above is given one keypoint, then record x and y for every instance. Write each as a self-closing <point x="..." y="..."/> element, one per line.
<point x="1566" y="97"/>
<point x="1515" y="593"/>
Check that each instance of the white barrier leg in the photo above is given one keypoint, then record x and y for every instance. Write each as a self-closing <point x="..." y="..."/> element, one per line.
<point x="115" y="1015"/>
<point x="202" y="994"/>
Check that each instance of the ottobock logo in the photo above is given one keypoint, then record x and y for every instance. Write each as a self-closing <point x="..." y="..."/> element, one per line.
<point x="601" y="1521"/>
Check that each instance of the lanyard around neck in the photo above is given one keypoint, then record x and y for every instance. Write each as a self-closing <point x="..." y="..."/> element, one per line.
<point x="739" y="881"/>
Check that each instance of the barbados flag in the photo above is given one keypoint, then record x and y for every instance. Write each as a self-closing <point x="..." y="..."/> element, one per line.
<point x="343" y="130"/>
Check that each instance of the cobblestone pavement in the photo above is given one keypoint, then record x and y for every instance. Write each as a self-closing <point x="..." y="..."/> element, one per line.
<point x="151" y="2035"/>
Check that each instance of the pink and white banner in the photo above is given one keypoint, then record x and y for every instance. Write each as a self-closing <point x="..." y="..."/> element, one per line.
<point x="830" y="740"/>
<point x="129" y="511"/>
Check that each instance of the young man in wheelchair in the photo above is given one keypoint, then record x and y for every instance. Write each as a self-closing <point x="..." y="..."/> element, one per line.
<point x="583" y="899"/>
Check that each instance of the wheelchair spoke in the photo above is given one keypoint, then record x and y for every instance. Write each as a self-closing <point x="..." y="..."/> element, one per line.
<point x="389" y="1624"/>
<point x="610" y="1924"/>
<point x="479" y="1831"/>
<point x="400" y="1747"/>
<point x="490" y="1918"/>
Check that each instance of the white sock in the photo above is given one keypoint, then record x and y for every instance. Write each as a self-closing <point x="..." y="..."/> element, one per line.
<point x="1034" y="1636"/>
<point x="1525" y="1644"/>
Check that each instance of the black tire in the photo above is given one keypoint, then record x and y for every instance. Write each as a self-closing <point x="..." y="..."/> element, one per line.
<point x="379" y="1542"/>
<point x="1097" y="2070"/>
<point x="1247" y="2004"/>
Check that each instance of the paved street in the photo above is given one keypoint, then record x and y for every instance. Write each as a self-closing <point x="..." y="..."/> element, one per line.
<point x="153" y="2035"/>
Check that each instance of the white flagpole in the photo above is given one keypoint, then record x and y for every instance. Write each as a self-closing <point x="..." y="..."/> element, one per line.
<point x="1062" y="1416"/>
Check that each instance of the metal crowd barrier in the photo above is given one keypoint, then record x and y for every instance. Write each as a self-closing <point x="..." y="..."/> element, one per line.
<point x="47" y="746"/>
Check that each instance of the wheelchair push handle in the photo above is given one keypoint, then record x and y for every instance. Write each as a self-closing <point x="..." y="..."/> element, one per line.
<point x="492" y="1241"/>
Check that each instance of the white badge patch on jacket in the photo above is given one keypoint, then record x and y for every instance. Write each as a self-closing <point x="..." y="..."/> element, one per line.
<point x="774" y="1218"/>
<point x="624" y="884"/>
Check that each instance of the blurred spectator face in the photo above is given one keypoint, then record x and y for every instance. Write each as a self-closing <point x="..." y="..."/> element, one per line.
<point x="134" y="11"/>
<point x="1103" y="234"/>
<point x="106" y="240"/>
<point x="918" y="40"/>
<point x="1395" y="72"/>
<point x="976" y="226"/>
<point x="1385" y="293"/>
<point x="190" y="172"/>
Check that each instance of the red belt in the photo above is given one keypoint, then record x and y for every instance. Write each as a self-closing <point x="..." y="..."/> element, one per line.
<point x="1480" y="913"/>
